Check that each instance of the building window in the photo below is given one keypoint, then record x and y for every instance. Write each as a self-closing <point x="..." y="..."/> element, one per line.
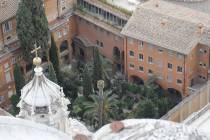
<point x="98" y="43"/>
<point x="202" y="51"/>
<point x="131" y="53"/>
<point x="141" y="69"/>
<point x="179" y="69"/>
<point x="200" y="64"/>
<point x="13" y="61"/>
<point x="8" y="76"/>
<point x="1" y="99"/>
<point x="205" y="51"/>
<point x="204" y="65"/>
<point x="170" y="66"/>
<point x="178" y="81"/>
<point x="160" y="50"/>
<point x="150" y="72"/>
<point x="65" y="32"/>
<point x="6" y="66"/>
<point x="150" y="60"/>
<point x="131" y="66"/>
<point x="179" y="56"/>
<point x="141" y="45"/>
<point x="59" y="34"/>
<point x="101" y="44"/>
<point x="141" y="57"/>
<point x="7" y="26"/>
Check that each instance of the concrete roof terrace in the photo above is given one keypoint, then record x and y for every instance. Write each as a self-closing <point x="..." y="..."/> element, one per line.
<point x="129" y="5"/>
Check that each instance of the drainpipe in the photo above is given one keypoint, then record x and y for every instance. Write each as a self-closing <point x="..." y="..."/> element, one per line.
<point x="184" y="75"/>
<point x="58" y="8"/>
<point x="125" y="56"/>
<point x="1" y="25"/>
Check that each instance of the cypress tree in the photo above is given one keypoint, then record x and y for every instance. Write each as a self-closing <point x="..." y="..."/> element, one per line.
<point x="25" y="29"/>
<point x="97" y="67"/>
<point x="41" y="32"/>
<point x="19" y="79"/>
<point x="87" y="82"/>
<point x="51" y="73"/>
<point x="32" y="26"/>
<point x="53" y="52"/>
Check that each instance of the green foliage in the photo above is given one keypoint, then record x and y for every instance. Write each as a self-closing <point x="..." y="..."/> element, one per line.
<point x="14" y="101"/>
<point x="19" y="79"/>
<point x="134" y="88"/>
<point x="32" y="26"/>
<point x="78" y="107"/>
<point x="119" y="85"/>
<point x="40" y="23"/>
<point x="101" y="108"/>
<point x="163" y="106"/>
<point x="51" y="73"/>
<point x="70" y="83"/>
<point x="53" y="53"/>
<point x="25" y="28"/>
<point x="146" y="109"/>
<point x="87" y="83"/>
<point x="97" y="67"/>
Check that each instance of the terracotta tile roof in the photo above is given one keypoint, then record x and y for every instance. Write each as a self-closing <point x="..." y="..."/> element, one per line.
<point x="169" y="25"/>
<point x="8" y="9"/>
<point x="202" y="5"/>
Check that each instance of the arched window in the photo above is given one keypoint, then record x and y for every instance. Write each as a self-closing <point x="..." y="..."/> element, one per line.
<point x="64" y="46"/>
<point x="116" y="52"/>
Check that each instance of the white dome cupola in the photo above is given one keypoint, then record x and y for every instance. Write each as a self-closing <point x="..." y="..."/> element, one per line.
<point x="42" y="100"/>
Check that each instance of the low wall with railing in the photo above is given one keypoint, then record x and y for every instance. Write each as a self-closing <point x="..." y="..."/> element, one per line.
<point x="189" y="105"/>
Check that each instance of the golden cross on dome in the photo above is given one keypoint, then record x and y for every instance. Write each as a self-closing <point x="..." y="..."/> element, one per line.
<point x="35" y="50"/>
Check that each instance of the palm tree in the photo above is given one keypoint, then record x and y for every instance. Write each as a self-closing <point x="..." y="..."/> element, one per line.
<point x="101" y="109"/>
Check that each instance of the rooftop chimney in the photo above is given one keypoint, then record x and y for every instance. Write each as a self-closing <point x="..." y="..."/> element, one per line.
<point x="3" y="4"/>
<point x="163" y="22"/>
<point x="156" y="3"/>
<point x="200" y="28"/>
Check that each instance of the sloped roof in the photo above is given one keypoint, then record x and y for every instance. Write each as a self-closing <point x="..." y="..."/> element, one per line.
<point x="200" y="5"/>
<point x="8" y="9"/>
<point x="40" y="91"/>
<point x="168" y="25"/>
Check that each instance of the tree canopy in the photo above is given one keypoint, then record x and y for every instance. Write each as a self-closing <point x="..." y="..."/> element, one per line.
<point x="32" y="27"/>
<point x="19" y="79"/>
<point x="97" y="67"/>
<point x="51" y="73"/>
<point x="53" y="53"/>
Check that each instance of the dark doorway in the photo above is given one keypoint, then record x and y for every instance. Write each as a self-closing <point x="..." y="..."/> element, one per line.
<point x="137" y="80"/>
<point x="64" y="46"/>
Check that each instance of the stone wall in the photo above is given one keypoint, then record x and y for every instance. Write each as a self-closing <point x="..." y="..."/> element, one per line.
<point x="193" y="103"/>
